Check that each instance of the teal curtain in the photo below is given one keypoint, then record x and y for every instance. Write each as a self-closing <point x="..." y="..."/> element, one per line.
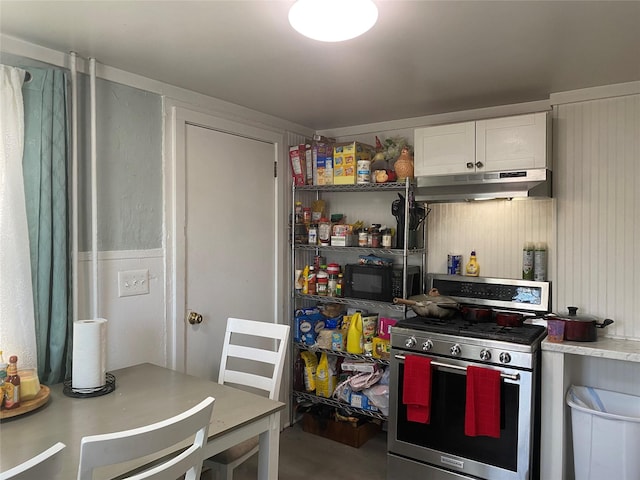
<point x="45" y="167"/>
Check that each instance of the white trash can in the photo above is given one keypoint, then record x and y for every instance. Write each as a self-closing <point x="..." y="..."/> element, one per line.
<point x="606" y="434"/>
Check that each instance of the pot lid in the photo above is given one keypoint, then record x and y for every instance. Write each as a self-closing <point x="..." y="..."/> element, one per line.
<point x="573" y="316"/>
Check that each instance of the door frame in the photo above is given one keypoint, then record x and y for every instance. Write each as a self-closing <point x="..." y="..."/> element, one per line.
<point x="176" y="116"/>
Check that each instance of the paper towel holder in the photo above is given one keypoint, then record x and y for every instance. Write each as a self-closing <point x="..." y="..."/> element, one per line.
<point x="108" y="387"/>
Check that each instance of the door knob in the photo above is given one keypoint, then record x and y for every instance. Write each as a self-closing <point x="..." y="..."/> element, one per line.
<point x="194" y="318"/>
<point x="479" y="164"/>
<point x="469" y="164"/>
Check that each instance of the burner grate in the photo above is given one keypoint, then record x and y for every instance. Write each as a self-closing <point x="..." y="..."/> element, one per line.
<point x="524" y="335"/>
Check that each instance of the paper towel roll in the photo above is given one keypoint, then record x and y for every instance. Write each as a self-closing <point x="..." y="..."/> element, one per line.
<point x="89" y="355"/>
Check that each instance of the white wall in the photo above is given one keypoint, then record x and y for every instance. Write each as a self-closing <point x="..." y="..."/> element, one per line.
<point x="136" y="328"/>
<point x="597" y="174"/>
<point x="495" y="229"/>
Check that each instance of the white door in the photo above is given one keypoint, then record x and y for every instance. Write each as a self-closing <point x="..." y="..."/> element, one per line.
<point x="223" y="216"/>
<point x="230" y="238"/>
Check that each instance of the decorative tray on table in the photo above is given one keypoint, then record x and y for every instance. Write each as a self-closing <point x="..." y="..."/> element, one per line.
<point x="28" y="405"/>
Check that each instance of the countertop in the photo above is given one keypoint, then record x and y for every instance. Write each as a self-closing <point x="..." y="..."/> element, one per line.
<point x="604" y="347"/>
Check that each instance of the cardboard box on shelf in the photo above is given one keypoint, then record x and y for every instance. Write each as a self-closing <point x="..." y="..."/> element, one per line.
<point x="359" y="366"/>
<point x="343" y="241"/>
<point x="298" y="166"/>
<point x="308" y="159"/>
<point x="322" y="156"/>
<point x="343" y="432"/>
<point x="345" y="159"/>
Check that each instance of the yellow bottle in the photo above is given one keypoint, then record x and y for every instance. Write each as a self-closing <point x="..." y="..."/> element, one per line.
<point x="473" y="267"/>
<point x="355" y="340"/>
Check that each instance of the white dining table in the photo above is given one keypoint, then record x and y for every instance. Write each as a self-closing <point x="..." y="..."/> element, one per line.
<point x="144" y="394"/>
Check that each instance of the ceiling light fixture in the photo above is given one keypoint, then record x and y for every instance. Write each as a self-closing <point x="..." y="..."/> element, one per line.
<point x="333" y="20"/>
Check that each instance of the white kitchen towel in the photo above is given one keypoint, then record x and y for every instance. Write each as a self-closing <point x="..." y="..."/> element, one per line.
<point x="89" y="355"/>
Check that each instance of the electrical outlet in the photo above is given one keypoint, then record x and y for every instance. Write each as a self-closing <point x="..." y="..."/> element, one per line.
<point x="133" y="282"/>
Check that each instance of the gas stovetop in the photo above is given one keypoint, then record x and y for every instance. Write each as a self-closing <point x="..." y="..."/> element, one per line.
<point x="473" y="341"/>
<point x="524" y="335"/>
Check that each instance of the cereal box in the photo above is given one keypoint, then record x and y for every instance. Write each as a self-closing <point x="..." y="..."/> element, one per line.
<point x="322" y="157"/>
<point x="345" y="158"/>
<point x="298" y="167"/>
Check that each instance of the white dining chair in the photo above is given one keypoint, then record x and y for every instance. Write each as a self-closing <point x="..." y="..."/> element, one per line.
<point x="252" y="356"/>
<point x="43" y="465"/>
<point x="119" y="447"/>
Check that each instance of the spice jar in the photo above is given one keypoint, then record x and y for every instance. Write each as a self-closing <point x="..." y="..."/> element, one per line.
<point x="363" y="239"/>
<point x="386" y="239"/>
<point x="313" y="234"/>
<point x="374" y="233"/>
<point x="322" y="283"/>
<point x="306" y="215"/>
<point x="332" y="285"/>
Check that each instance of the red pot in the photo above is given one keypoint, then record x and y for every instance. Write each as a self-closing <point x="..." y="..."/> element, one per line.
<point x="509" y="319"/>
<point x="581" y="328"/>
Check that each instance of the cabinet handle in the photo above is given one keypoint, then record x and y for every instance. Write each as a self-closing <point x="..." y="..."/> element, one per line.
<point x="479" y="165"/>
<point x="469" y="164"/>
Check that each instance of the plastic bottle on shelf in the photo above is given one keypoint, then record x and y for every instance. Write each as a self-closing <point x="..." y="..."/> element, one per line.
<point x="540" y="262"/>
<point x="12" y="384"/>
<point x="313" y="234"/>
<point x="527" y="261"/>
<point x="473" y="267"/>
<point x="305" y="280"/>
<point x="340" y="286"/>
<point x="311" y="281"/>
<point x="355" y="340"/>
<point x="3" y="377"/>
<point x="298" y="212"/>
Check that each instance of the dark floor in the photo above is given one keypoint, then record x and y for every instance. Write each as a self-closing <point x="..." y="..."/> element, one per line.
<point x="311" y="457"/>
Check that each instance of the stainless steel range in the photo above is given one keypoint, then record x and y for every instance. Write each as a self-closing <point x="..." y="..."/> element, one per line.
<point x="440" y="449"/>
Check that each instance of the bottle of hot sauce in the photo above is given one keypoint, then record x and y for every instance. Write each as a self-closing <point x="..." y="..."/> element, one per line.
<point x="12" y="384"/>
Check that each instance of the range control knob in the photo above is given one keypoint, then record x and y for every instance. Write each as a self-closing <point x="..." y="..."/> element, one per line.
<point x="505" y="357"/>
<point x="455" y="350"/>
<point x="485" y="355"/>
<point x="410" y="342"/>
<point x="428" y="345"/>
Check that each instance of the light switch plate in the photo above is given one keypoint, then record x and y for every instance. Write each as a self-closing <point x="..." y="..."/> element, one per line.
<point x="133" y="282"/>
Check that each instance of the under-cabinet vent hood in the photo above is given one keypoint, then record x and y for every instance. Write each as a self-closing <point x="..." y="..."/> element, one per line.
<point x="483" y="186"/>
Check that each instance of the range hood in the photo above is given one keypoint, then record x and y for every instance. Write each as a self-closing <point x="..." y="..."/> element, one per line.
<point x="484" y="186"/>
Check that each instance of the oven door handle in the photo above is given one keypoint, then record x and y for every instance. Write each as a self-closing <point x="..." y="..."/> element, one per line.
<point x="511" y="376"/>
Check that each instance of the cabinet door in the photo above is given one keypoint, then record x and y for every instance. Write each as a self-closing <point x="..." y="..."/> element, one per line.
<point x="444" y="149"/>
<point x="512" y="143"/>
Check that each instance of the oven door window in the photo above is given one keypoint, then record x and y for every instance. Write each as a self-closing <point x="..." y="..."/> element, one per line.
<point x="445" y="432"/>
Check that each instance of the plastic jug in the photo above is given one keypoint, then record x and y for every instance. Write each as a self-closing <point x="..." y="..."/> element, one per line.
<point x="355" y="340"/>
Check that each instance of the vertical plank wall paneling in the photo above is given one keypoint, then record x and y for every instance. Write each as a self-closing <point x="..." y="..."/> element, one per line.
<point x="596" y="182"/>
<point x="495" y="229"/>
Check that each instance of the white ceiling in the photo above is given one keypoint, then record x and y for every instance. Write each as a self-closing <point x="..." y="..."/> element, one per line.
<point x="422" y="58"/>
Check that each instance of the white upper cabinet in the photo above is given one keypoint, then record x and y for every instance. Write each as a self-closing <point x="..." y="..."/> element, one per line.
<point x="513" y="143"/>
<point x="444" y="149"/>
<point x="509" y="143"/>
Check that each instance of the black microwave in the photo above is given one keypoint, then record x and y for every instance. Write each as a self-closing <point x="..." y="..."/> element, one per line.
<point x="378" y="282"/>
